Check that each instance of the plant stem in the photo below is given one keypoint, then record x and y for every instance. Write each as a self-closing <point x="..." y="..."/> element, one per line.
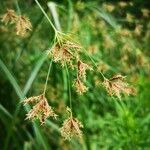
<point x="69" y="88"/>
<point x="49" y="69"/>
<point x="94" y="63"/>
<point x="17" y="6"/>
<point x="55" y="30"/>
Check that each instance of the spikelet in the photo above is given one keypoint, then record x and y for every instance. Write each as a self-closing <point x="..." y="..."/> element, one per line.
<point x="93" y="49"/>
<point x="129" y="17"/>
<point x="122" y="4"/>
<point x="33" y="99"/>
<point x="108" y="42"/>
<point x="69" y="45"/>
<point x="9" y="17"/>
<point x="80" y="87"/>
<point x="82" y="67"/>
<point x="81" y="75"/>
<point x="65" y="53"/>
<point x="71" y="128"/>
<point x="22" y="25"/>
<point x="138" y="30"/>
<point x="123" y="32"/>
<point x="108" y="7"/>
<point x="145" y="12"/>
<point x="131" y="3"/>
<point x="116" y="86"/>
<point x="41" y="110"/>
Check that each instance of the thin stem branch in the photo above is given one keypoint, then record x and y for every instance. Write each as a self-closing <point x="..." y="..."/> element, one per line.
<point x="94" y="63"/>
<point x="69" y="88"/>
<point x="46" y="16"/>
<point x="17" y="6"/>
<point x="49" y="69"/>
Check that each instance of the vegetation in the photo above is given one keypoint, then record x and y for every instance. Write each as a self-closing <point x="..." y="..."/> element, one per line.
<point x="74" y="75"/>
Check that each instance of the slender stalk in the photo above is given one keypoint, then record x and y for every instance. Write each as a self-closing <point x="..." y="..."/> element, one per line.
<point x="17" y="6"/>
<point x="94" y="63"/>
<point x="69" y="88"/>
<point x="49" y="69"/>
<point x="46" y="16"/>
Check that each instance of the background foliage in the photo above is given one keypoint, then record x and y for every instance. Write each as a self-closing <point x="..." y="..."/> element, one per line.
<point x="116" y="35"/>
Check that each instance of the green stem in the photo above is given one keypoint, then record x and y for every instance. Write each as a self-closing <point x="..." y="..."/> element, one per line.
<point x="17" y="6"/>
<point x="49" y="69"/>
<point x="70" y="15"/>
<point x="94" y="63"/>
<point x="55" y="30"/>
<point x="69" y="88"/>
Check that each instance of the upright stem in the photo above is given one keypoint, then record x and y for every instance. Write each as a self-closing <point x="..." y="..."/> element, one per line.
<point x="46" y="16"/>
<point x="49" y="69"/>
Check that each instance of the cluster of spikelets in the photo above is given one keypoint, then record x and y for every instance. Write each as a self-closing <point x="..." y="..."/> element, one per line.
<point x="116" y="85"/>
<point x="40" y="110"/>
<point x="71" y="127"/>
<point x="22" y="23"/>
<point x="81" y="76"/>
<point x="66" y="53"/>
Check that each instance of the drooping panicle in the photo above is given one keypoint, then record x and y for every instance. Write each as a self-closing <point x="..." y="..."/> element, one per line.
<point x="71" y="128"/>
<point x="9" y="17"/>
<point x="41" y="110"/>
<point x="116" y="85"/>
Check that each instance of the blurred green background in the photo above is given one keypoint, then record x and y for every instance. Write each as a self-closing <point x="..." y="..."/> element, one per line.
<point x="116" y="34"/>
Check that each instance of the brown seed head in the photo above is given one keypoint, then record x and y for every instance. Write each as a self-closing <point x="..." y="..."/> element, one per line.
<point x="138" y="30"/>
<point x="22" y="25"/>
<point x="82" y="67"/>
<point x="116" y="86"/>
<point x="129" y="17"/>
<point x="62" y="54"/>
<point x="33" y="99"/>
<point x="41" y="110"/>
<point x="9" y="16"/>
<point x="122" y="4"/>
<point x="72" y="45"/>
<point x="71" y="128"/>
<point x="145" y="12"/>
<point x="80" y="87"/>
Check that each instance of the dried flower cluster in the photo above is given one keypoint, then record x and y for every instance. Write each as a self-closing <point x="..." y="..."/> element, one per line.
<point x="33" y="99"/>
<point x="108" y="7"/>
<point x="22" y="23"/>
<point x="71" y="128"/>
<point x="41" y="110"/>
<point x="81" y="76"/>
<point x="145" y="12"/>
<point x="9" y="17"/>
<point x="65" y="53"/>
<point x="122" y="4"/>
<point x="82" y="67"/>
<point x="116" y="86"/>
<point x="129" y="18"/>
<point x="80" y="87"/>
<point x="108" y="42"/>
<point x="138" y="30"/>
